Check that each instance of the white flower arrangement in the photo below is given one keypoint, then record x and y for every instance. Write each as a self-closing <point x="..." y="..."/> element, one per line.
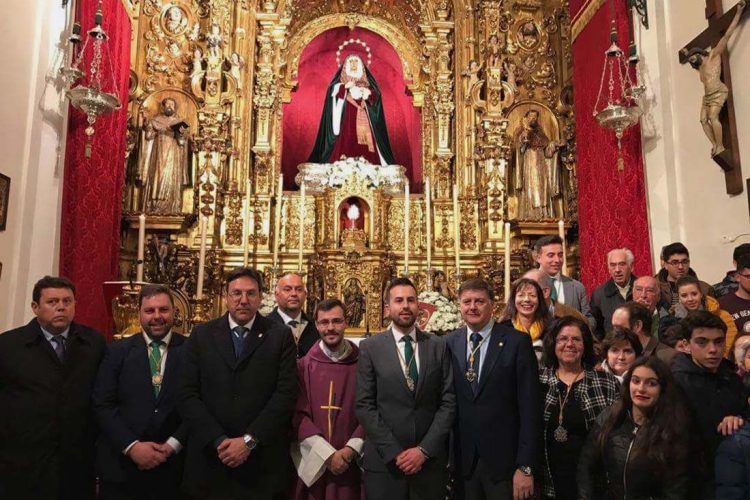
<point x="340" y="171"/>
<point x="267" y="304"/>
<point x="446" y="317"/>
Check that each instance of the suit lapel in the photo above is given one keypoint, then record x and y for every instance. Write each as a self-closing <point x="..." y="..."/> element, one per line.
<point x="460" y="346"/>
<point x="140" y="353"/>
<point x="423" y="346"/>
<point x="254" y="338"/>
<point x="170" y="369"/>
<point x="35" y="335"/>
<point x="567" y="285"/>
<point x="497" y="341"/>
<point x="223" y="341"/>
<point x="394" y="359"/>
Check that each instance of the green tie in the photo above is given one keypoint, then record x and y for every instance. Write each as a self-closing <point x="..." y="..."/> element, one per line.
<point x="553" y="292"/>
<point x="154" y="361"/>
<point x="411" y="362"/>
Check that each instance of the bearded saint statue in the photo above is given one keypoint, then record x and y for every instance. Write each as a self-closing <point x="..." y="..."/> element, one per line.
<point x="353" y="121"/>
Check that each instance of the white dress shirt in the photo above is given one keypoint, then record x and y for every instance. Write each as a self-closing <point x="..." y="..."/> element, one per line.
<point x="398" y="335"/>
<point x="301" y="323"/>
<point x="233" y="324"/>
<point x="163" y="349"/>
<point x="485" y="333"/>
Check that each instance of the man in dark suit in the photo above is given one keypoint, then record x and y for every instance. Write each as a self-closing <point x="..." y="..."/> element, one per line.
<point x="138" y="452"/>
<point x="290" y="296"/>
<point x="237" y="395"/>
<point x="498" y="403"/>
<point x="47" y="426"/>
<point x="405" y="403"/>
<point x="615" y="291"/>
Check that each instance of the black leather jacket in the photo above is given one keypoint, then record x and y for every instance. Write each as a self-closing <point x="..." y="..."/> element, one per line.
<point x="614" y="474"/>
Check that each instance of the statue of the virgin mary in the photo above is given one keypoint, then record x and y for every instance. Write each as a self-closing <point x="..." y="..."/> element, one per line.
<point x="353" y="121"/>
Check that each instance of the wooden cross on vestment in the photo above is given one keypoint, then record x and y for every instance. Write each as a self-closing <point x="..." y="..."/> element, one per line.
<point x="330" y="407"/>
<point x="729" y="159"/>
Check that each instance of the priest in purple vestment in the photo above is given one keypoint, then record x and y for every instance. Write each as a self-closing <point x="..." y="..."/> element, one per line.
<point x="329" y="439"/>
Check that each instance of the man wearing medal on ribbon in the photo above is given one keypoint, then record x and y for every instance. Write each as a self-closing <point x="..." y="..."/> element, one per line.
<point x="353" y="120"/>
<point x="328" y="437"/>
<point x="138" y="453"/>
<point x="405" y="403"/>
<point x="497" y="400"/>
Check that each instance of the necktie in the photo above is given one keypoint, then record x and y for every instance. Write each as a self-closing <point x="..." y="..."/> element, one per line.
<point x="154" y="362"/>
<point x="238" y="339"/>
<point x="476" y="338"/>
<point x="553" y="291"/>
<point x="293" y="323"/>
<point x="58" y="344"/>
<point x="411" y="362"/>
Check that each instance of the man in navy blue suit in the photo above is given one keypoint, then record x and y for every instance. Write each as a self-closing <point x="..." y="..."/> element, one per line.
<point x="138" y="452"/>
<point x="498" y="405"/>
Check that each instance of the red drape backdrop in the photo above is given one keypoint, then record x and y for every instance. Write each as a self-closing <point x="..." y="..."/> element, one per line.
<point x="611" y="204"/>
<point x="92" y="187"/>
<point x="316" y="69"/>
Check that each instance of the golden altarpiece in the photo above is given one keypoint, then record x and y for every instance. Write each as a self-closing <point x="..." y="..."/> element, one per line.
<point x="476" y="69"/>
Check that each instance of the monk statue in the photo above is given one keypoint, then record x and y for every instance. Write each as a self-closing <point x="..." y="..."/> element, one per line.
<point x="708" y="64"/>
<point x="163" y="161"/>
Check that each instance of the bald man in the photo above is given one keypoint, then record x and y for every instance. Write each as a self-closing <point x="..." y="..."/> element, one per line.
<point x="291" y="294"/>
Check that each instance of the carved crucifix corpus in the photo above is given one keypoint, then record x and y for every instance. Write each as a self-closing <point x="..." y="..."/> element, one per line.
<point x="708" y="54"/>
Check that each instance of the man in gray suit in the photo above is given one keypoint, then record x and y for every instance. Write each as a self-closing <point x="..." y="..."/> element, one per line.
<point x="548" y="253"/>
<point x="406" y="404"/>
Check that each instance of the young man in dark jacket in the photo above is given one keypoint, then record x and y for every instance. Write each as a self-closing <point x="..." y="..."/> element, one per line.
<point x="714" y="391"/>
<point x="733" y="461"/>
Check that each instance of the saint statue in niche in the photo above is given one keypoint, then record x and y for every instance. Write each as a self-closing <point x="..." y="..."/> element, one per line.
<point x="353" y="121"/>
<point x="536" y="172"/>
<point x="354" y="301"/>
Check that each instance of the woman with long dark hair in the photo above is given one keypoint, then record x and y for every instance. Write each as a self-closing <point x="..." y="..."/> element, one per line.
<point x="527" y="310"/>
<point x="640" y="447"/>
<point x="574" y="396"/>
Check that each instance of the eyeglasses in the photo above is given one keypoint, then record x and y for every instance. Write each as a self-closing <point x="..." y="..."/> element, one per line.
<point x="679" y="263"/>
<point x="746" y="276"/>
<point x="328" y="322"/>
<point x="565" y="340"/>
<point x="236" y="295"/>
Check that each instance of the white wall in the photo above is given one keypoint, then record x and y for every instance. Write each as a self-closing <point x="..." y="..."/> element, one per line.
<point x="32" y="124"/>
<point x="686" y="190"/>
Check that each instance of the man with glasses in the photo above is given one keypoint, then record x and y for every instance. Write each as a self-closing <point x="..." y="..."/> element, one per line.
<point x="675" y="262"/>
<point x="329" y="437"/>
<point x="47" y="428"/>
<point x="238" y="392"/>
<point x="738" y="303"/>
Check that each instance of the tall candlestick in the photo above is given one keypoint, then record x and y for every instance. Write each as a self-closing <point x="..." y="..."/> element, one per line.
<point x="407" y="223"/>
<point x="141" y="247"/>
<point x="246" y="228"/>
<point x="428" y="212"/>
<point x="277" y="223"/>
<point x="507" y="261"/>
<point x="561" y="231"/>
<point x="456" y="228"/>
<point x="201" y="259"/>
<point x="301" y="225"/>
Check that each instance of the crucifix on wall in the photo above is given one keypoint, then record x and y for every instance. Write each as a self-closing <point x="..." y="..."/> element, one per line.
<point x="708" y="54"/>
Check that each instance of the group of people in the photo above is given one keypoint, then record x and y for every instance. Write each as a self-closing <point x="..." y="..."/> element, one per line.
<point x="640" y="393"/>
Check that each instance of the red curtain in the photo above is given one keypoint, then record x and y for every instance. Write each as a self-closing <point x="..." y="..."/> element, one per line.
<point x="316" y="69"/>
<point x="92" y="187"/>
<point x="611" y="204"/>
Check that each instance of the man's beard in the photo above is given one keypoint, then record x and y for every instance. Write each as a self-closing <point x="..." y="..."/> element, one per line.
<point x="168" y="112"/>
<point x="404" y="324"/>
<point x="534" y="124"/>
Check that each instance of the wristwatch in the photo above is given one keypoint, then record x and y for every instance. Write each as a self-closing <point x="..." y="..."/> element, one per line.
<point x="525" y="470"/>
<point x="250" y="441"/>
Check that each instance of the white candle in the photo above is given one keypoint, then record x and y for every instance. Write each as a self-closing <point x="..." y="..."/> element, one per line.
<point x="301" y="225"/>
<point x="407" y="223"/>
<point x="246" y="228"/>
<point x="277" y="223"/>
<point x="561" y="232"/>
<point x="456" y="228"/>
<point x="141" y="247"/>
<point x="428" y="211"/>
<point x="507" y="261"/>
<point x="201" y="259"/>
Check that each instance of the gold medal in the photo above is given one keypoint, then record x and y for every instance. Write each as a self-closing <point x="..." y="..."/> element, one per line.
<point x="156" y="379"/>
<point x="560" y="434"/>
<point x="471" y="375"/>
